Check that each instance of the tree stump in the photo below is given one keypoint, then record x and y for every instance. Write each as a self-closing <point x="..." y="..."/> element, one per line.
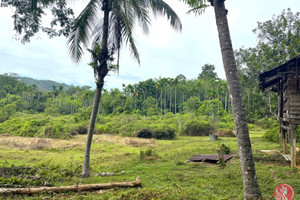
<point x="213" y="137"/>
<point x="221" y="157"/>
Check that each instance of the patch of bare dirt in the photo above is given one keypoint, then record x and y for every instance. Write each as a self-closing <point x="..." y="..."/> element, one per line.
<point x="24" y="143"/>
<point x="129" y="141"/>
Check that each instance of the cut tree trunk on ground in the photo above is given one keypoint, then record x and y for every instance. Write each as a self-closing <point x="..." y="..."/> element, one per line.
<point x="72" y="188"/>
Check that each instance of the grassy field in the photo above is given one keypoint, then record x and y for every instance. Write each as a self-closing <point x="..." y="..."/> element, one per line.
<point x="163" y="171"/>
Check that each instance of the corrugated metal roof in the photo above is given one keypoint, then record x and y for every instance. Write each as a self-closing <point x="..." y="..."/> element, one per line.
<point x="208" y="158"/>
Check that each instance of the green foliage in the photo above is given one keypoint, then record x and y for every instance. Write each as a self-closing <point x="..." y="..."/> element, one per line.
<point x="161" y="127"/>
<point x="39" y="175"/>
<point x="157" y="133"/>
<point x="43" y="85"/>
<point x="168" y="177"/>
<point x="272" y="134"/>
<point x="142" y="155"/>
<point x="192" y="104"/>
<point x="266" y="123"/>
<point x="208" y="72"/>
<point x="225" y="149"/>
<point x="211" y="108"/>
<point x="278" y="41"/>
<point x="226" y="122"/>
<point x="148" y="155"/>
<point x="41" y="126"/>
<point x="28" y="16"/>
<point x="196" y="128"/>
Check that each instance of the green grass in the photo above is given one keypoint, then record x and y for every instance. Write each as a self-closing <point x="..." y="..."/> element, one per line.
<point x="165" y="176"/>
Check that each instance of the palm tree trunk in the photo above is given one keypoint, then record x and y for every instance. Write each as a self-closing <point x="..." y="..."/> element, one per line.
<point x="86" y="161"/>
<point x="251" y="188"/>
<point x="101" y="72"/>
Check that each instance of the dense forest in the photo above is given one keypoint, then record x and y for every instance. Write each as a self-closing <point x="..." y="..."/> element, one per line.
<point x="165" y="106"/>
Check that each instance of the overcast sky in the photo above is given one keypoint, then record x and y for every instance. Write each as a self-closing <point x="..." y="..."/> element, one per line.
<point x="163" y="53"/>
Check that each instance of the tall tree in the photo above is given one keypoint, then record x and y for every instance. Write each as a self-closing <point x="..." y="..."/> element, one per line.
<point x="278" y="41"/>
<point x="28" y="17"/>
<point x="108" y="33"/>
<point x="251" y="188"/>
<point x="208" y="72"/>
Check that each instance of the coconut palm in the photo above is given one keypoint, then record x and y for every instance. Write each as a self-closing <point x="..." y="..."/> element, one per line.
<point x="105" y="25"/>
<point x="251" y="188"/>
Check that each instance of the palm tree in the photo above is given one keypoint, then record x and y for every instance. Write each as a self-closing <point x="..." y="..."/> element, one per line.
<point x="251" y="188"/>
<point x="107" y="24"/>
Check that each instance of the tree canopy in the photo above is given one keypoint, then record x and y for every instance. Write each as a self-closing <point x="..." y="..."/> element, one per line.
<point x="28" y="17"/>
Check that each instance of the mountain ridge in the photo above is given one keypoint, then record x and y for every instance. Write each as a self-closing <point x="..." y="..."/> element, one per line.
<point x="45" y="85"/>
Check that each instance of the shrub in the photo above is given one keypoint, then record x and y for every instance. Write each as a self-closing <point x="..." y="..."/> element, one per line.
<point x="39" y="125"/>
<point x="144" y="133"/>
<point x="225" y="149"/>
<point x="272" y="134"/>
<point x="157" y="133"/>
<point x="225" y="133"/>
<point x="197" y="128"/>
<point x="266" y="123"/>
<point x="164" y="134"/>
<point x="80" y="130"/>
<point x="148" y="155"/>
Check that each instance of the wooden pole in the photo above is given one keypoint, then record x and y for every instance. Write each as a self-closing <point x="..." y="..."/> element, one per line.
<point x="284" y="138"/>
<point x="284" y="135"/>
<point x="293" y="145"/>
<point x="280" y="133"/>
<point x="280" y="112"/>
<point x="74" y="188"/>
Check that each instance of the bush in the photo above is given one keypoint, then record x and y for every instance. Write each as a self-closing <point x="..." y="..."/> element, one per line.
<point x="225" y="133"/>
<point x="266" y="123"/>
<point x="80" y="130"/>
<point x="164" y="134"/>
<point x="39" y="125"/>
<point x="197" y="128"/>
<point x="272" y="134"/>
<point x="225" y="149"/>
<point x="159" y="134"/>
<point x="144" y="133"/>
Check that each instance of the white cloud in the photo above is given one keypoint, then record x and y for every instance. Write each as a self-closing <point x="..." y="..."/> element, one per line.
<point x="163" y="52"/>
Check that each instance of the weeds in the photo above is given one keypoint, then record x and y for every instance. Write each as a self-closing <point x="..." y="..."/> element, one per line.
<point x="161" y="167"/>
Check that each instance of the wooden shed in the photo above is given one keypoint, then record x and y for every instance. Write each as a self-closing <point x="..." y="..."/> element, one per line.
<point x="285" y="80"/>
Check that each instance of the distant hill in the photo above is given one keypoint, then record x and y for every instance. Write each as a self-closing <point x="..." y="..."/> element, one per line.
<point x="45" y="85"/>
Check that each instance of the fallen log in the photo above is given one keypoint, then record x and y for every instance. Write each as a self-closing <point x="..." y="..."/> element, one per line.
<point x="71" y="188"/>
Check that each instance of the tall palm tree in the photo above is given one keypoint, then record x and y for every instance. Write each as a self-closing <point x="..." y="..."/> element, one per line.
<point x="251" y="188"/>
<point x="107" y="24"/>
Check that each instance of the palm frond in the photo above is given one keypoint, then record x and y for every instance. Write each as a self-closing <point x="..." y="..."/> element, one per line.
<point x="197" y="6"/>
<point x="97" y="33"/>
<point x="134" y="51"/>
<point x="82" y="29"/>
<point x="162" y="8"/>
<point x="127" y="17"/>
<point x="115" y="39"/>
<point x="198" y="10"/>
<point x="140" y="9"/>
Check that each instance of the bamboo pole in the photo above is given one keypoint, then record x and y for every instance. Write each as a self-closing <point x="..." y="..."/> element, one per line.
<point x="73" y="188"/>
